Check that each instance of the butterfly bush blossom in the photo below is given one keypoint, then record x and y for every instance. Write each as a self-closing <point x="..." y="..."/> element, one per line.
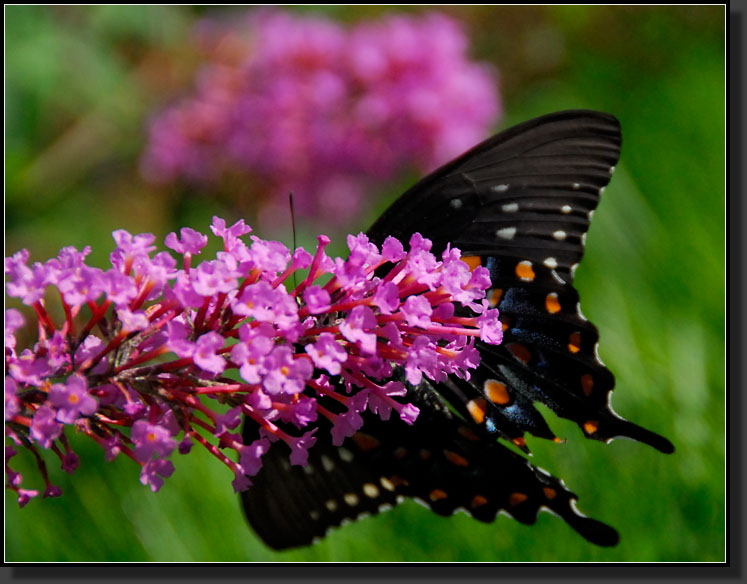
<point x="301" y="104"/>
<point x="156" y="355"/>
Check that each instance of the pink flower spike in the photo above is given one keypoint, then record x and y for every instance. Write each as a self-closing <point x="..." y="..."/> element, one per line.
<point x="164" y="348"/>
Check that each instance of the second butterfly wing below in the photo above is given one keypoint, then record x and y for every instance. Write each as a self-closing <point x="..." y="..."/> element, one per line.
<point x="438" y="460"/>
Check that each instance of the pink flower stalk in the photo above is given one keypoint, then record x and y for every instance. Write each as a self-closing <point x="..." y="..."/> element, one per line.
<point x="298" y="103"/>
<point x="147" y="354"/>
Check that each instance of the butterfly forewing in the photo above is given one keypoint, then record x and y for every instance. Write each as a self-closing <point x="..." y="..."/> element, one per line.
<point x="518" y="204"/>
<point x="516" y="194"/>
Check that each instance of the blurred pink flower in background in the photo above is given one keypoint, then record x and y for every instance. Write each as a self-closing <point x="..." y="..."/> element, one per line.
<point x="298" y="103"/>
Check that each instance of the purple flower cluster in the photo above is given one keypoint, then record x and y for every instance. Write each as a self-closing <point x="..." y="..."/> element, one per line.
<point x="149" y="352"/>
<point x="304" y="105"/>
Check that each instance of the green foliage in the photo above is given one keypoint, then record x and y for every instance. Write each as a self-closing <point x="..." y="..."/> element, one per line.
<point x="79" y="85"/>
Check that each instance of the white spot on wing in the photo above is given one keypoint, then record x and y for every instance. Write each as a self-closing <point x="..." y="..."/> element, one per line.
<point x="314" y="514"/>
<point x="327" y="463"/>
<point x="576" y="186"/>
<point x="583" y="239"/>
<point x="456" y="203"/>
<point x="387" y="484"/>
<point x="371" y="490"/>
<point x="506" y="233"/>
<point x="573" y="270"/>
<point x="559" y="234"/>
<point x="351" y="499"/>
<point x="590" y="214"/>
<point x="510" y="207"/>
<point x="578" y="311"/>
<point x="601" y="190"/>
<point x="565" y="209"/>
<point x="331" y="505"/>
<point x="500" y="188"/>
<point x="345" y="454"/>
<point x="612" y="169"/>
<point x="551" y="263"/>
<point x="385" y="507"/>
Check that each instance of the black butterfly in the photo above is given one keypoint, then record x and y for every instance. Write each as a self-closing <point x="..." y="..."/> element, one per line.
<point x="520" y="205"/>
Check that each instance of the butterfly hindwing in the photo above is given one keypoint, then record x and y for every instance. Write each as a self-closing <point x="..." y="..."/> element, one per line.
<point x="519" y="204"/>
<point x="438" y="461"/>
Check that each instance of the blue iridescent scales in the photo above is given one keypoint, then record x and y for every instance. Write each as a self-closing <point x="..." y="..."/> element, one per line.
<point x="520" y="205"/>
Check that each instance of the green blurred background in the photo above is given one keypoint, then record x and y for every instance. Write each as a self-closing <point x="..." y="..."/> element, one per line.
<point x="80" y="83"/>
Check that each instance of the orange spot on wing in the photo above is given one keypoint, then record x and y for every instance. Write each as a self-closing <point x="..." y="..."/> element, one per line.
<point x="574" y="342"/>
<point x="467" y="433"/>
<point x="552" y="304"/>
<point x="398" y="481"/>
<point x="587" y="384"/>
<point x="524" y="271"/>
<point x="472" y="261"/>
<point x="455" y="458"/>
<point x="516" y="498"/>
<point x="437" y="495"/>
<point x="478" y="501"/>
<point x="477" y="408"/>
<point x="494" y="296"/>
<point x="497" y="392"/>
<point x="365" y="442"/>
<point x="520" y="352"/>
<point x="550" y="493"/>
<point x="520" y="442"/>
<point x="591" y="426"/>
